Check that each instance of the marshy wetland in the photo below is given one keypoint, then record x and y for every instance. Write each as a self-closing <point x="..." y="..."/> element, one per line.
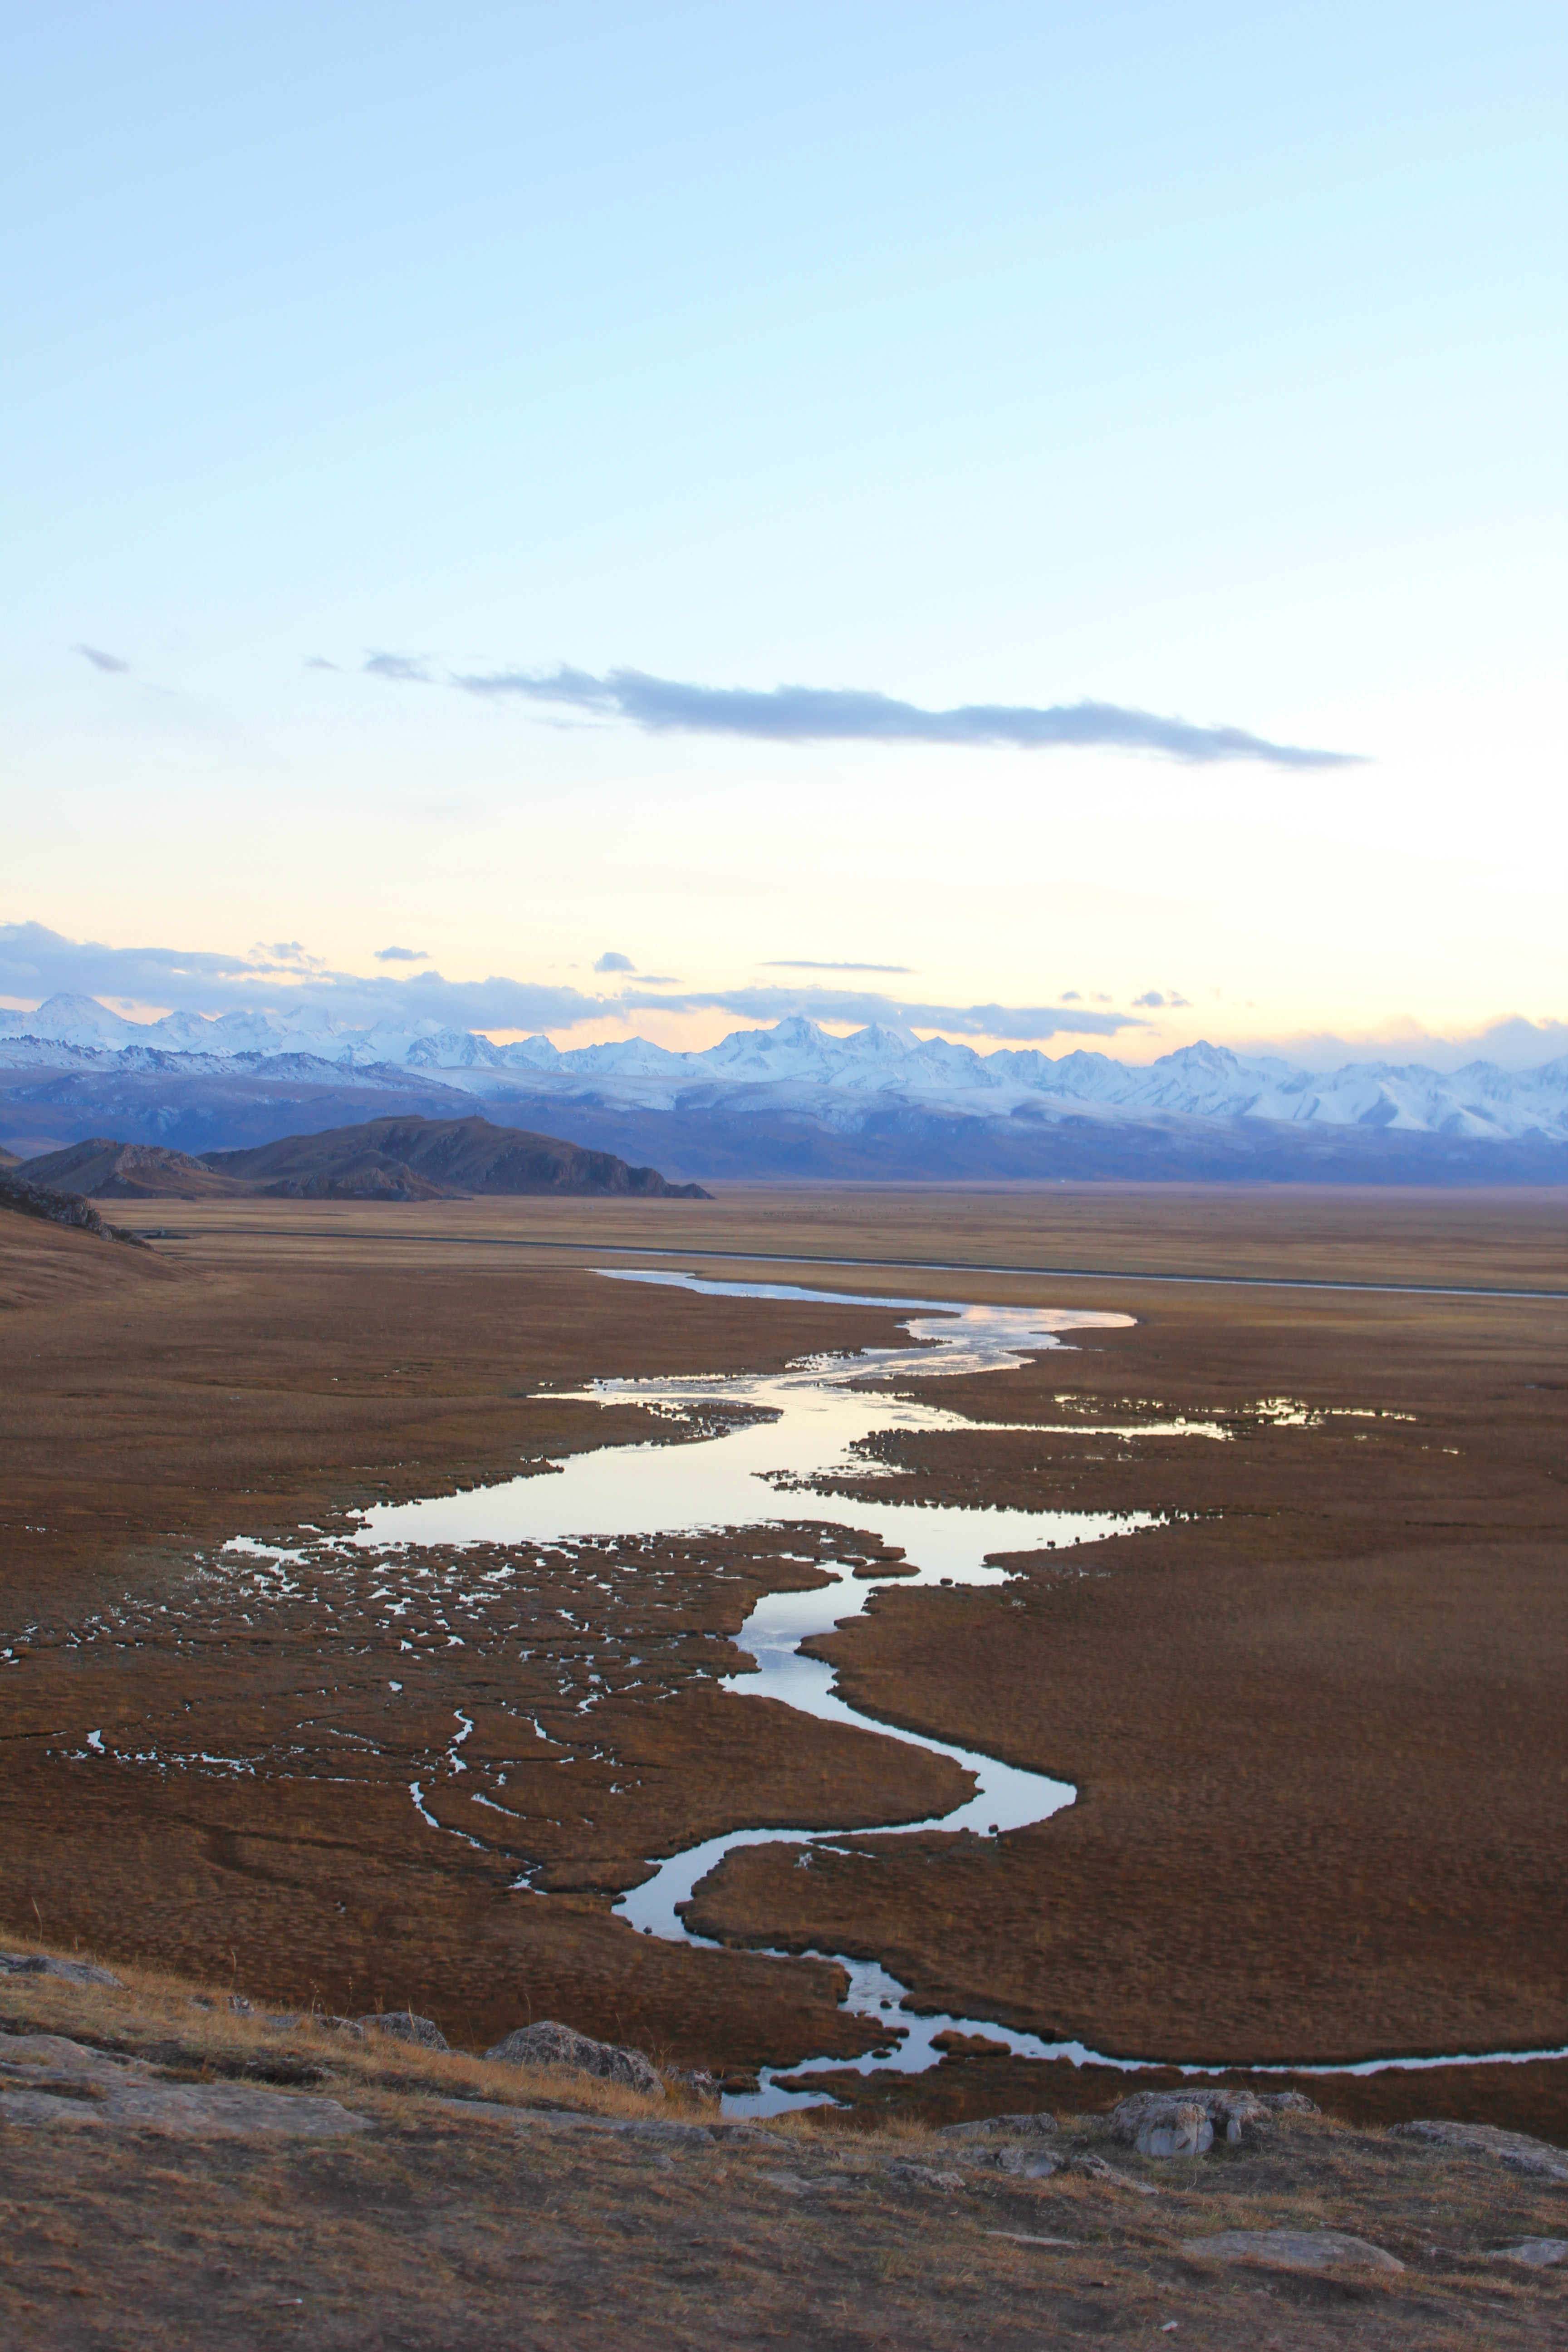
<point x="1246" y="1608"/>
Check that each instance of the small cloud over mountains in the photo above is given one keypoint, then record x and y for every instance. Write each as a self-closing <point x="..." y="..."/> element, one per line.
<point x="402" y="668"/>
<point x="613" y="961"/>
<point x="804" y="964"/>
<point x="101" y="660"/>
<point x="402" y="955"/>
<point x="811" y="714"/>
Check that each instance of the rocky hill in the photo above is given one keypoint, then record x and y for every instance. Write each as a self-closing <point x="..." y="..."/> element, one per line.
<point x="103" y="1170"/>
<point x="435" y="1159"/>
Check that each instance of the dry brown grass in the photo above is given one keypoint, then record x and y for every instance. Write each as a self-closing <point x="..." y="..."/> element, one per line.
<point x="475" y="2212"/>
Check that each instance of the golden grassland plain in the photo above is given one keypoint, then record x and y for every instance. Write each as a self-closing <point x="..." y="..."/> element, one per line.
<point x="461" y="2202"/>
<point x="1314" y="1718"/>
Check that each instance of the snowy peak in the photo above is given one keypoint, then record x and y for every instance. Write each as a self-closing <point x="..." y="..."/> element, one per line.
<point x="797" y="1066"/>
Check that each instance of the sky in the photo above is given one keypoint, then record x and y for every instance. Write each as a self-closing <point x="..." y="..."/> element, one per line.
<point x="1044" y="524"/>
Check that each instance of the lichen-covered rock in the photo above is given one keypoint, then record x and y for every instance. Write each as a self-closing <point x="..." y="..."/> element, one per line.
<point x="549" y="2045"/>
<point x="1295" y="2249"/>
<point x="1538" y="2253"/>
<point x="1020" y="2127"/>
<point x="48" y="2080"/>
<point x="697" y="2082"/>
<point x="39" y="1964"/>
<point x="926" y="2176"/>
<point x="1186" y="2122"/>
<point x="403" y="2026"/>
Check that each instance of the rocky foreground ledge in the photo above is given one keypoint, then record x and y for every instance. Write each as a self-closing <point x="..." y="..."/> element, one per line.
<point x="178" y="2169"/>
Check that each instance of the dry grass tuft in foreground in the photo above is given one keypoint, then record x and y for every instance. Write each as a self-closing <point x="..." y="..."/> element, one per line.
<point x="177" y="2172"/>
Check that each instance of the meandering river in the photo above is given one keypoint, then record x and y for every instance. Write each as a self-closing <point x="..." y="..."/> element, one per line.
<point x="763" y="1443"/>
<point x="768" y="1437"/>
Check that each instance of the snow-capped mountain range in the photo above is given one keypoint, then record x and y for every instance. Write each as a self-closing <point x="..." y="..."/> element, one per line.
<point x="796" y="1069"/>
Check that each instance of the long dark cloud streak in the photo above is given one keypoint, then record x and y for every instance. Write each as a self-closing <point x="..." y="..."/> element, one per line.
<point x="36" y="961"/>
<point x="811" y="714"/>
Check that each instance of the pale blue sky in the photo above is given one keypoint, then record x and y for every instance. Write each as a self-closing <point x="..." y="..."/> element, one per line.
<point x="1202" y="362"/>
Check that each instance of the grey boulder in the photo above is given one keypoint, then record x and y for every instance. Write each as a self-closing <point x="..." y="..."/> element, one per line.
<point x="549" y="2045"/>
<point x="1540" y="2253"/>
<point x="1186" y="2122"/>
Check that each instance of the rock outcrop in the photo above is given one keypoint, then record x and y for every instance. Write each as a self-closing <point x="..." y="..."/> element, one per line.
<point x="47" y="2079"/>
<point x="1516" y="2149"/>
<point x="38" y="1964"/>
<point x="58" y="1209"/>
<point x="549" y="2045"/>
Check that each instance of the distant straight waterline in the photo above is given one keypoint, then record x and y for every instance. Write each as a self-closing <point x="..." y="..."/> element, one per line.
<point x="600" y="1247"/>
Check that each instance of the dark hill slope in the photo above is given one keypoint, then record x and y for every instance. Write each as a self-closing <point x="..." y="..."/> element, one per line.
<point x="56" y="1208"/>
<point x="103" y="1170"/>
<point x="429" y="1158"/>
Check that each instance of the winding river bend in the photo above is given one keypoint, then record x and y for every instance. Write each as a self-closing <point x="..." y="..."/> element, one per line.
<point x="765" y="1439"/>
<point x="780" y="1432"/>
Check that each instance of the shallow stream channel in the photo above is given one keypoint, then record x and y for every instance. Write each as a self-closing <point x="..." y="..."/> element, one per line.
<point x="766" y="1439"/>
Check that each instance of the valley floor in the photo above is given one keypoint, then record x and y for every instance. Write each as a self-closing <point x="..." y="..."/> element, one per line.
<point x="1314" y="1718"/>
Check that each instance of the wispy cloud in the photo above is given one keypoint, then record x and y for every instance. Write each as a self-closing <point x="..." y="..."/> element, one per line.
<point x="1021" y="1023"/>
<point x="402" y="955"/>
<point x="402" y="668"/>
<point x="613" y="961"/>
<point x="36" y="963"/>
<point x="101" y="660"/>
<point x="811" y="714"/>
<point x="1154" y="1000"/>
<point x="803" y="963"/>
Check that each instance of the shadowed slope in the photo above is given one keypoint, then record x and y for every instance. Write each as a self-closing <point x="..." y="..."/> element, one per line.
<point x="102" y="1168"/>
<point x="425" y="1159"/>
